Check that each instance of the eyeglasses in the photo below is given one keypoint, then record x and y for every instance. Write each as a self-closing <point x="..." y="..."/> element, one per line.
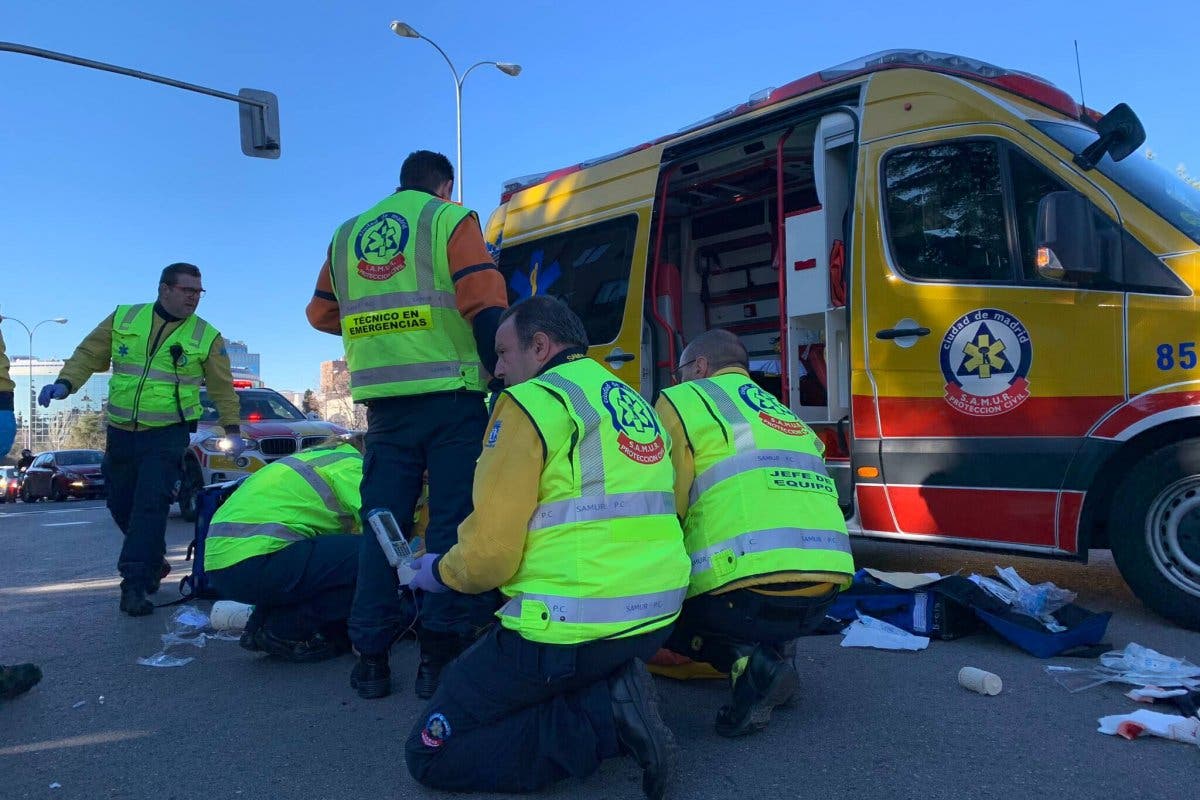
<point x="677" y="373"/>
<point x="187" y="290"/>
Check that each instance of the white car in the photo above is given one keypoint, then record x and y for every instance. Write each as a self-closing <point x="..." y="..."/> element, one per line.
<point x="272" y="428"/>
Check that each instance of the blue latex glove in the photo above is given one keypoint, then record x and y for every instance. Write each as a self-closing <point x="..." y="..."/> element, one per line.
<point x="425" y="580"/>
<point x="51" y="391"/>
<point x="237" y="445"/>
<point x="8" y="430"/>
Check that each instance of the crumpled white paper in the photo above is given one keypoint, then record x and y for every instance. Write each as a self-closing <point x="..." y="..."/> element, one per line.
<point x="870" y="632"/>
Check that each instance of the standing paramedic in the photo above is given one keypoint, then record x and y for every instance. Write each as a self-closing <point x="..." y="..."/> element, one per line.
<point x="761" y="523"/>
<point x="411" y="288"/>
<point x="160" y="355"/>
<point x="575" y="523"/>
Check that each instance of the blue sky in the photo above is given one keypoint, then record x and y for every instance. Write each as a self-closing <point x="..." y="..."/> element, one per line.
<point x="105" y="179"/>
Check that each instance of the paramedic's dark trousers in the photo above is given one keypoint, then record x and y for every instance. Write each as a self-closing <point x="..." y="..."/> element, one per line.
<point x="140" y="470"/>
<point x="441" y="432"/>
<point x="301" y="590"/>
<point x="511" y="715"/>
<point x="712" y="627"/>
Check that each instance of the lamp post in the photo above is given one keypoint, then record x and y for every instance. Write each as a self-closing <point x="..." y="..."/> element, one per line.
<point x="32" y="393"/>
<point x="408" y="32"/>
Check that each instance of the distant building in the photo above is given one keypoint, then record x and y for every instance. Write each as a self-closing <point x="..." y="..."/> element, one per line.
<point x="336" y="405"/>
<point x="240" y="358"/>
<point x="48" y="422"/>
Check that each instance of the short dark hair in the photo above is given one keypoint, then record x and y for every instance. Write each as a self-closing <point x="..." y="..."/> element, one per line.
<point x="425" y="169"/>
<point x="173" y="271"/>
<point x="722" y="348"/>
<point x="548" y="315"/>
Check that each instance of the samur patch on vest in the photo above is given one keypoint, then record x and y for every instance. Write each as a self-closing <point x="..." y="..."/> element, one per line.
<point x="770" y="411"/>
<point x="639" y="436"/>
<point x="436" y="730"/>
<point x="493" y="434"/>
<point x="985" y="358"/>
<point x="379" y="246"/>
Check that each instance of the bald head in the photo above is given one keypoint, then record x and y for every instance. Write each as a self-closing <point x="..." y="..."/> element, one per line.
<point x="710" y="352"/>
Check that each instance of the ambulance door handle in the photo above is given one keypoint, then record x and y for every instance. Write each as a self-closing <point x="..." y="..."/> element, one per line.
<point x="900" y="333"/>
<point x="619" y="357"/>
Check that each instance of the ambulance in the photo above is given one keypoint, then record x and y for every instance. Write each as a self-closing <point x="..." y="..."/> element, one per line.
<point x="980" y="294"/>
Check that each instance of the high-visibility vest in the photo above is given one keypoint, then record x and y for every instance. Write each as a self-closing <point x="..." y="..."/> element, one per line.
<point x="604" y="553"/>
<point x="156" y="389"/>
<point x="308" y="494"/>
<point x="401" y="327"/>
<point x="762" y="501"/>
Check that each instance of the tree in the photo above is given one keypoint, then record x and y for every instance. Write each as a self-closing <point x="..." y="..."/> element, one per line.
<point x="310" y="404"/>
<point x="88" y="431"/>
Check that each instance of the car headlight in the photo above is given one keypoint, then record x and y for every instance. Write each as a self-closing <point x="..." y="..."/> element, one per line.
<point x="219" y="445"/>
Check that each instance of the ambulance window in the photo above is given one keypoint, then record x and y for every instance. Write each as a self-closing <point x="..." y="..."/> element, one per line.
<point x="1030" y="183"/>
<point x="587" y="268"/>
<point x="945" y="212"/>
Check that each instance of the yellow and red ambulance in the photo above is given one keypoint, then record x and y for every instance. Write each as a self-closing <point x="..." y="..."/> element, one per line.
<point x="979" y="293"/>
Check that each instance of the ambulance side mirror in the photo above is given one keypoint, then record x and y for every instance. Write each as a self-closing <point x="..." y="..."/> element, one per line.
<point x="1069" y="240"/>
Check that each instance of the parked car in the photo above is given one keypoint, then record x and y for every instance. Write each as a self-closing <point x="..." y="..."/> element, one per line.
<point x="60" y="474"/>
<point x="10" y="484"/>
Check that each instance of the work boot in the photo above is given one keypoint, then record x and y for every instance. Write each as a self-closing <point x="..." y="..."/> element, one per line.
<point x="437" y="650"/>
<point x="134" y="602"/>
<point x="641" y="732"/>
<point x="762" y="680"/>
<point x="372" y="677"/>
<point x="18" y="679"/>
<point x="298" y="651"/>
<point x="156" y="582"/>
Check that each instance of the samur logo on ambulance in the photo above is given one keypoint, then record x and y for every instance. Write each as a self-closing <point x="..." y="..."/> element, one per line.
<point x="639" y="436"/>
<point x="985" y="358"/>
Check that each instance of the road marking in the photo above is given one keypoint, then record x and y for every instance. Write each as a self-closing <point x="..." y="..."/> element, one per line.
<point x="62" y="524"/>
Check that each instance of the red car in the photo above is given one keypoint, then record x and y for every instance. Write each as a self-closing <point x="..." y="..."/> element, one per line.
<point x="10" y="484"/>
<point x="60" y="474"/>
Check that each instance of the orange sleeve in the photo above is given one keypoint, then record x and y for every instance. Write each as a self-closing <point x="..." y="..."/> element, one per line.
<point x="322" y="311"/>
<point x="477" y="283"/>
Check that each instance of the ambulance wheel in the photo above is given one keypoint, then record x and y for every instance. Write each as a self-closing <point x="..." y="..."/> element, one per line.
<point x="190" y="484"/>
<point x="1155" y="531"/>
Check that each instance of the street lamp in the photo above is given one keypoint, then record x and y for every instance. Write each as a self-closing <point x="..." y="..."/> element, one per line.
<point x="407" y="31"/>
<point x="32" y="392"/>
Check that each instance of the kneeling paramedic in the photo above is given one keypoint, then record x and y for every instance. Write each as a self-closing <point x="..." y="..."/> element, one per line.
<point x="160" y="354"/>
<point x="574" y="521"/>
<point x="287" y="541"/>
<point x="762" y="525"/>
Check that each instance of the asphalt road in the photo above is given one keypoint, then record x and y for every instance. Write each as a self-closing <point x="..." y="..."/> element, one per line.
<point x="233" y="724"/>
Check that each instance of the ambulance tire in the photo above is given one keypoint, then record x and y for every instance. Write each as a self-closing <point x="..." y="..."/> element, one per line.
<point x="1154" y="531"/>
<point x="190" y="484"/>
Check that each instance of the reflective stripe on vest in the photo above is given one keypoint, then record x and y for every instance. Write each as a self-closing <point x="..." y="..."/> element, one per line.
<point x="156" y="374"/>
<point x="243" y="530"/>
<point x="751" y="460"/>
<point x="307" y="469"/>
<point x="772" y="539"/>
<point x="591" y="449"/>
<point x="590" y="508"/>
<point x="375" y="376"/>
<point x="143" y="416"/>
<point x="600" y="610"/>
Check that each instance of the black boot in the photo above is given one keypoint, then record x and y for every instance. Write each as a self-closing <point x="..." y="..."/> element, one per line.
<point x="640" y="730"/>
<point x="156" y="582"/>
<point x="372" y="677"/>
<point x="18" y="679"/>
<point x="762" y="680"/>
<point x="316" y="648"/>
<point x="437" y="650"/>
<point x="134" y="602"/>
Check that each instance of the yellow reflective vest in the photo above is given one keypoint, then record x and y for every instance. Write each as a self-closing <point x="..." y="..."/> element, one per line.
<point x="308" y="494"/>
<point x="604" y="553"/>
<point x="401" y="327"/>
<point x="762" y="501"/>
<point x="159" y="388"/>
